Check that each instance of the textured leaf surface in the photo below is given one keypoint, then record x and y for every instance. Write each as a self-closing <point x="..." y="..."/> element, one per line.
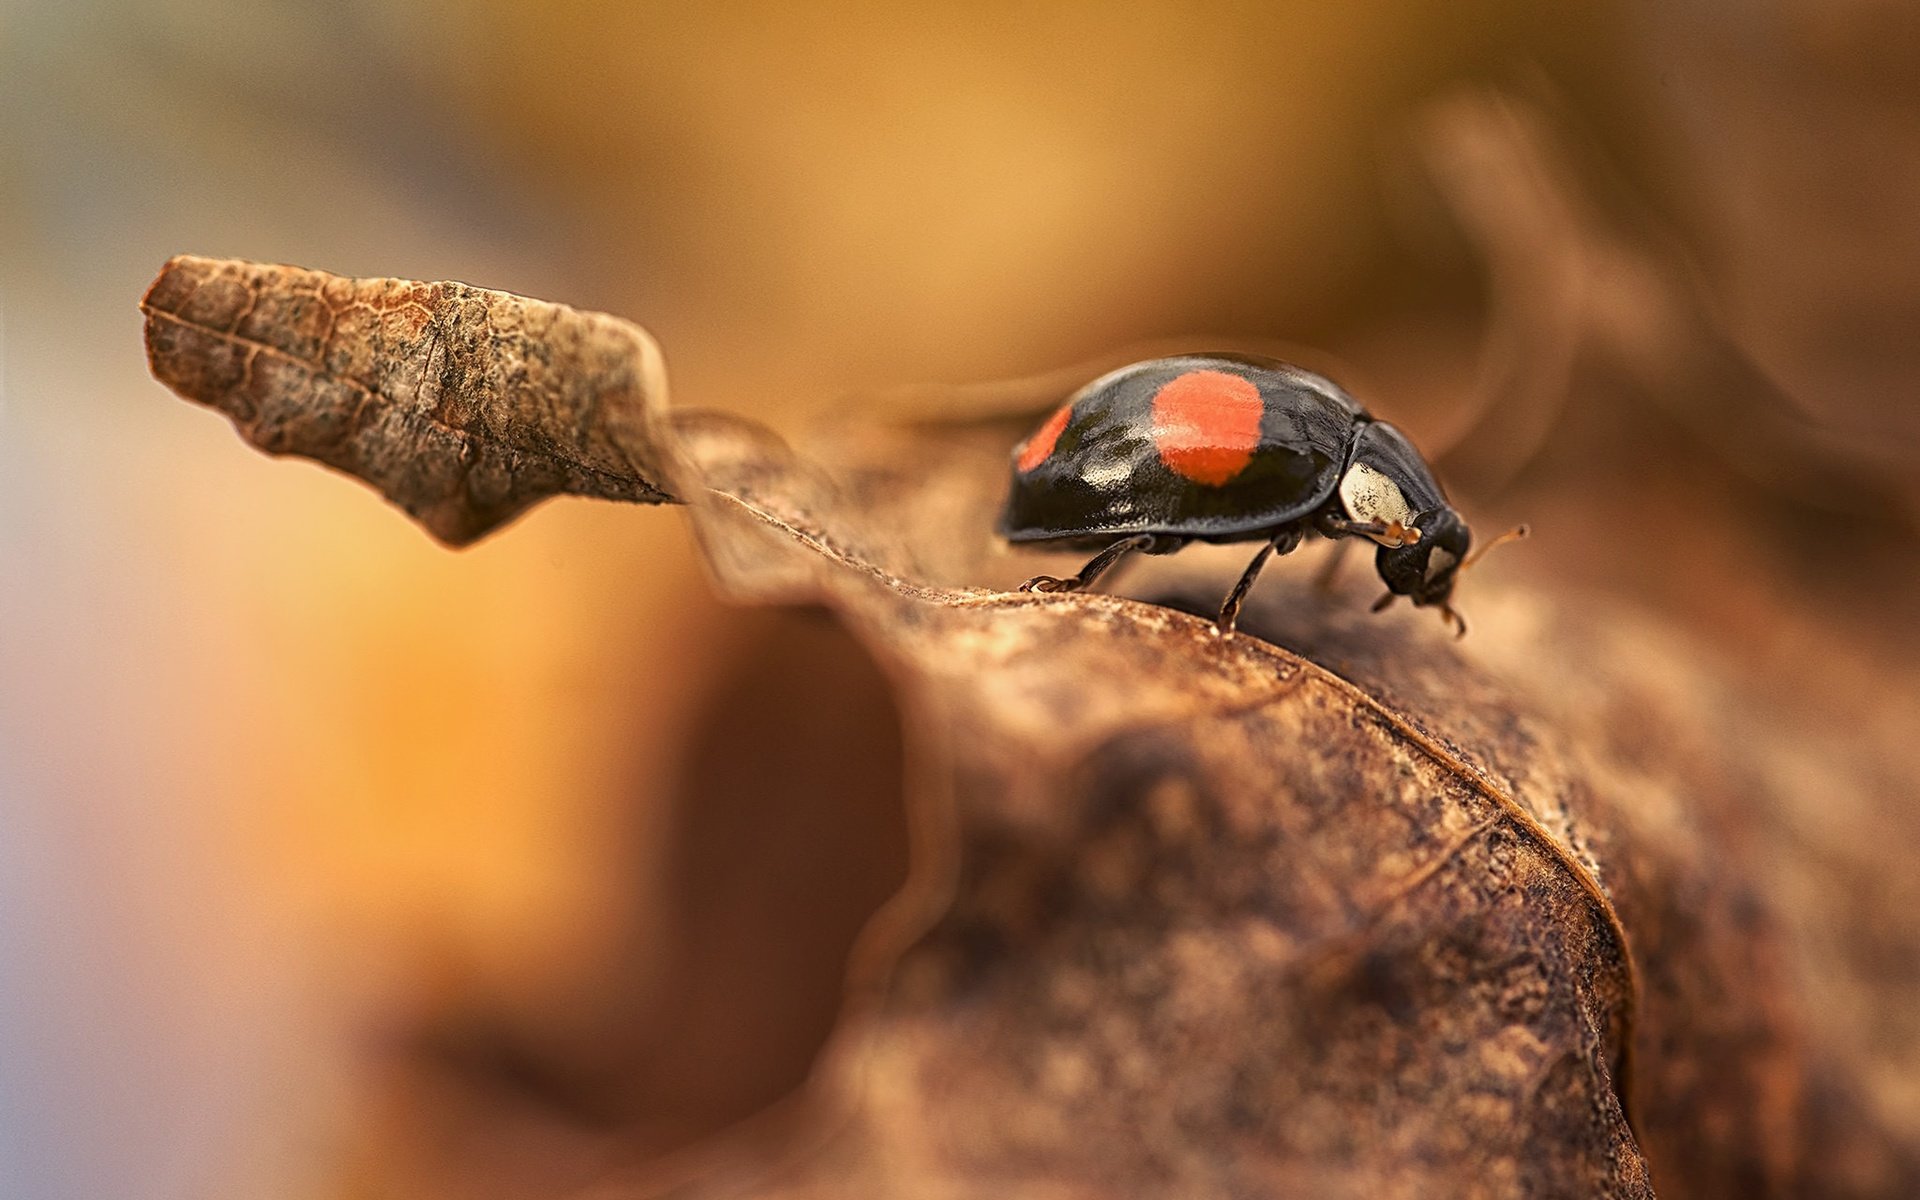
<point x="1337" y="907"/>
<point x="461" y="405"/>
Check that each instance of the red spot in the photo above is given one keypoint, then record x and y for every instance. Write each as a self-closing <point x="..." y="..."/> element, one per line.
<point x="1206" y="425"/>
<point x="1041" y="443"/>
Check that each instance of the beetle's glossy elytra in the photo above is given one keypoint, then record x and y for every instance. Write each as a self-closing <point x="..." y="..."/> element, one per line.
<point x="1225" y="448"/>
<point x="1169" y="446"/>
<point x="1206" y="425"/>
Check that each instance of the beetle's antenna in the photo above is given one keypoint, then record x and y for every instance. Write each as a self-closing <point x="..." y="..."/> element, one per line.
<point x="1381" y="604"/>
<point x="1450" y="614"/>
<point x="1512" y="535"/>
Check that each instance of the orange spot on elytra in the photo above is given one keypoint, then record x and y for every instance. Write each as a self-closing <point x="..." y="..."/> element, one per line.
<point x="1206" y="425"/>
<point x="1041" y="443"/>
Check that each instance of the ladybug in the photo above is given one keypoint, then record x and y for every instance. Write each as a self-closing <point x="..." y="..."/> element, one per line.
<point x="1232" y="448"/>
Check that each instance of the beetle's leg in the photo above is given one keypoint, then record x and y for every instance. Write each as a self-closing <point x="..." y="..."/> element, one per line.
<point x="1387" y="533"/>
<point x="1230" y="607"/>
<point x="1096" y="567"/>
<point x="1335" y="527"/>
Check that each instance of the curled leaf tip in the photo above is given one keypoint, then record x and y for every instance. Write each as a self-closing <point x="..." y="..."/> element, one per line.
<point x="461" y="405"/>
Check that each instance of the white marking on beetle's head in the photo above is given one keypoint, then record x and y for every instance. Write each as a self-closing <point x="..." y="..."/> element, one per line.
<point x="1440" y="560"/>
<point x="1367" y="495"/>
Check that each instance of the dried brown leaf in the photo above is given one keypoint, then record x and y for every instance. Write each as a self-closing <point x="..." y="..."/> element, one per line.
<point x="461" y="405"/>
<point x="1336" y="908"/>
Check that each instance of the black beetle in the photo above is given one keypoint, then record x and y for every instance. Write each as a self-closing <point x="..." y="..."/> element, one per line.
<point x="1231" y="448"/>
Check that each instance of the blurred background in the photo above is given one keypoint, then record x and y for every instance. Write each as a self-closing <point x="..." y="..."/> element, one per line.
<point x="334" y="864"/>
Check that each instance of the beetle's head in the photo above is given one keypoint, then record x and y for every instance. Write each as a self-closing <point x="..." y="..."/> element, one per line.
<point x="1424" y="570"/>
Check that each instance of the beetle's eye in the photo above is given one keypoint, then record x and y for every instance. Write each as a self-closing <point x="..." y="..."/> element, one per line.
<point x="1440" y="562"/>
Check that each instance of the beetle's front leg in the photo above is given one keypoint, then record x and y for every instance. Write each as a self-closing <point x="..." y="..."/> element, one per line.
<point x="1391" y="534"/>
